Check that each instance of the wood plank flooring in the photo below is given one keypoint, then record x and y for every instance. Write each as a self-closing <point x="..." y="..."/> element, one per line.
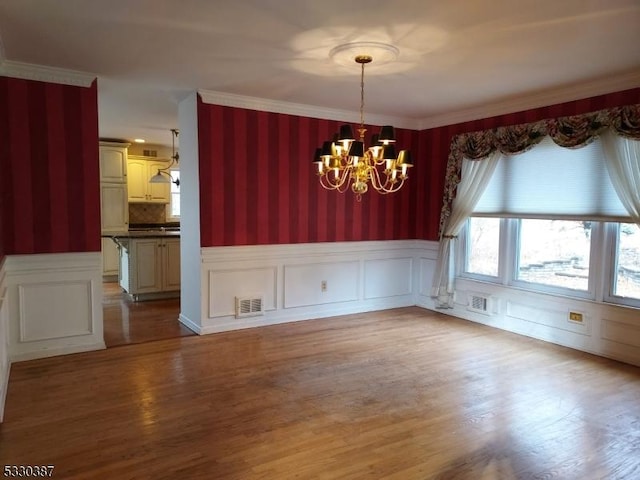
<point x="127" y="322"/>
<point x="401" y="394"/>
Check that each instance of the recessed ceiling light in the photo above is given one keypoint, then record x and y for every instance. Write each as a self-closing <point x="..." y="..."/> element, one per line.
<point x="139" y="140"/>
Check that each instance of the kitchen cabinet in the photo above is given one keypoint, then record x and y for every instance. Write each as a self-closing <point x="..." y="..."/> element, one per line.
<point x="110" y="258"/>
<point x="113" y="162"/>
<point x="150" y="266"/>
<point x="114" y="207"/>
<point x="139" y="171"/>
<point x="114" y="204"/>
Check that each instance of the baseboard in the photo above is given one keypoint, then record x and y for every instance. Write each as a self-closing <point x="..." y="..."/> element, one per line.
<point x="191" y="325"/>
<point x="53" y="352"/>
<point x="224" y="324"/>
<point x="144" y="297"/>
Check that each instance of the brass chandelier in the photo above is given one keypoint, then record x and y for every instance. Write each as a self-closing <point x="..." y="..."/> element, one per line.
<point x="344" y="161"/>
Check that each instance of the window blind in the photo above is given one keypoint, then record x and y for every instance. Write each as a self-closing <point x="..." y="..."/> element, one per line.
<point x="550" y="181"/>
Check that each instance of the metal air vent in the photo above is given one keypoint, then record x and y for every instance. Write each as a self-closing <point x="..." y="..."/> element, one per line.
<point x="480" y="303"/>
<point x="249" y="306"/>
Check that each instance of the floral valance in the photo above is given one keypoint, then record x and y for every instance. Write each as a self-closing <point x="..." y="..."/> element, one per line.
<point x="569" y="132"/>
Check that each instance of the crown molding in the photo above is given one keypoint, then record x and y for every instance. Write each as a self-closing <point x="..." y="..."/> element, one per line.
<point x="302" y="110"/>
<point x="544" y="98"/>
<point x="42" y="73"/>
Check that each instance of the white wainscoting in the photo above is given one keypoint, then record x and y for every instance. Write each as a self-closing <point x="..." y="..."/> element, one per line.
<point x="607" y="330"/>
<point x="54" y="304"/>
<point x="5" y="364"/>
<point x="359" y="277"/>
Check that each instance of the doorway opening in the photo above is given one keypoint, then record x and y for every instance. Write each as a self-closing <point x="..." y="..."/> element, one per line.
<point x="127" y="322"/>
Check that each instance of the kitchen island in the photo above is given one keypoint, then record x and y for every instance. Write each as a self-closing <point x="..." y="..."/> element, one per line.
<point x="149" y="263"/>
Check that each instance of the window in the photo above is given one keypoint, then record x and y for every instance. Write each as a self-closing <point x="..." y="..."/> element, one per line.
<point x="557" y="257"/>
<point x="626" y="264"/>
<point x="554" y="253"/>
<point x="174" y="204"/>
<point x="482" y="246"/>
<point x="547" y="230"/>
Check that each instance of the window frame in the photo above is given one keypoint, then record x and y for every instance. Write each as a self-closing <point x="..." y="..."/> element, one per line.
<point x="588" y="294"/>
<point x="169" y="207"/>
<point x="464" y="247"/>
<point x="612" y="242"/>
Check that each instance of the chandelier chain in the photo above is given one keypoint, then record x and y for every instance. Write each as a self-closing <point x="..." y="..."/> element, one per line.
<point x="362" y="95"/>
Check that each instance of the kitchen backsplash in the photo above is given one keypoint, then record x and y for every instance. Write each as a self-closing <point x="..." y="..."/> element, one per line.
<point x="146" y="213"/>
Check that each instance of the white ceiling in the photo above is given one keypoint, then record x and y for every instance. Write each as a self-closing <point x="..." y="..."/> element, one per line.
<point x="458" y="60"/>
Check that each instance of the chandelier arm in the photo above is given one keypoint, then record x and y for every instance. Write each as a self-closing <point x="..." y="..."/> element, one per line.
<point x="343" y="187"/>
<point x="325" y="185"/>
<point x="376" y="182"/>
<point x="393" y="188"/>
<point x="388" y="186"/>
<point x="338" y="182"/>
<point x="342" y="179"/>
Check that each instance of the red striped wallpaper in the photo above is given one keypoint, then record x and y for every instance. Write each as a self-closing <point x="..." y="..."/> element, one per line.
<point x="434" y="150"/>
<point x="257" y="184"/>
<point x="49" y="171"/>
<point x="257" y="181"/>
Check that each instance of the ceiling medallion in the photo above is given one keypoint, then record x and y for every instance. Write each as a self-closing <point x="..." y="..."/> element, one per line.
<point x="345" y="54"/>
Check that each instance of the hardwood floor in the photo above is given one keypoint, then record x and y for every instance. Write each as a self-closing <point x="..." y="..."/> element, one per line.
<point x="127" y="322"/>
<point x="401" y="394"/>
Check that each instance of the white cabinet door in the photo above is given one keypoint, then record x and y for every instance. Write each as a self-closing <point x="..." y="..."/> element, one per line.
<point x="147" y="264"/>
<point x="138" y="177"/>
<point x="114" y="207"/>
<point x="150" y="265"/>
<point x="113" y="162"/>
<point x="110" y="257"/>
<point x="171" y="264"/>
<point x="139" y="172"/>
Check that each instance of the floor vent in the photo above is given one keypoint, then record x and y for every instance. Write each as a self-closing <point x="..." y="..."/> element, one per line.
<point x="479" y="303"/>
<point x="249" y="306"/>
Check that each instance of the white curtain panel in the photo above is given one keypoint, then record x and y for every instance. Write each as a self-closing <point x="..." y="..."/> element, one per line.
<point x="474" y="178"/>
<point x="622" y="156"/>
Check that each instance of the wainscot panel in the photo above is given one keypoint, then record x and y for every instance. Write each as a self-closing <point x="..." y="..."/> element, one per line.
<point x="320" y="283"/>
<point x="5" y="364"/>
<point x="226" y="285"/>
<point x="54" y="304"/>
<point x="313" y="280"/>
<point x="388" y="277"/>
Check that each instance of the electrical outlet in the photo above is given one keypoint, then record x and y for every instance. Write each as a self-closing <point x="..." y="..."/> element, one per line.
<point x="323" y="286"/>
<point x="575" y="317"/>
